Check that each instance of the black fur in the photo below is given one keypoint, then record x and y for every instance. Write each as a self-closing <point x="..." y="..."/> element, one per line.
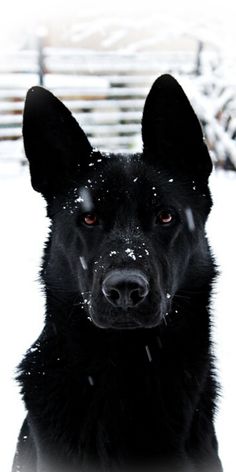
<point x="110" y="388"/>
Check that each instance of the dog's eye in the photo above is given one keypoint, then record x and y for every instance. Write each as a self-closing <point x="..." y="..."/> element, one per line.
<point x="165" y="217"/>
<point x="90" y="219"/>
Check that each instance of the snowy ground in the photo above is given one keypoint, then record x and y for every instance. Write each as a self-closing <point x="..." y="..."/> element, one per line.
<point x="23" y="229"/>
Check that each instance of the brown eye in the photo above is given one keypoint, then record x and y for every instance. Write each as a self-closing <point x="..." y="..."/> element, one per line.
<point x="165" y="217"/>
<point x="90" y="219"/>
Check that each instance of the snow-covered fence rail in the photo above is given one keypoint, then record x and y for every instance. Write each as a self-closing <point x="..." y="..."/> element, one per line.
<point x="105" y="91"/>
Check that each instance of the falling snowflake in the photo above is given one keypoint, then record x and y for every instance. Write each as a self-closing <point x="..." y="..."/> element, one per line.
<point x="130" y="253"/>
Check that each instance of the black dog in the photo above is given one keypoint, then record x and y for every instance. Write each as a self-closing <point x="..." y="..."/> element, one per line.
<point x="122" y="376"/>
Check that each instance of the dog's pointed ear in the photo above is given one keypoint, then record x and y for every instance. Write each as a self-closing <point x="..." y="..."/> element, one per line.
<point x="55" y="145"/>
<point x="171" y="131"/>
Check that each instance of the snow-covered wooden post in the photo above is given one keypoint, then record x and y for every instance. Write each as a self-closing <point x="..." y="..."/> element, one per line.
<point x="41" y="33"/>
<point x="198" y="69"/>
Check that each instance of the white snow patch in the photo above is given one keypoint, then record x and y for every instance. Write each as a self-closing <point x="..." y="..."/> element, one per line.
<point x="79" y="200"/>
<point x="130" y="253"/>
<point x="33" y="349"/>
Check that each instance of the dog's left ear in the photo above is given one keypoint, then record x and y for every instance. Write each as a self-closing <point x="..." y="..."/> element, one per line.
<point x="171" y="130"/>
<point x="55" y="145"/>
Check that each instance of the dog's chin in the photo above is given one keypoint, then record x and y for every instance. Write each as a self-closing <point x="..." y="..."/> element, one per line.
<point x="131" y="319"/>
<point x="127" y="325"/>
<point x="119" y="326"/>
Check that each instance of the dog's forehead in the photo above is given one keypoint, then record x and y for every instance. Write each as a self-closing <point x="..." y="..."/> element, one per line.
<point x="118" y="170"/>
<point x="106" y="178"/>
<point x="130" y="173"/>
<point x="115" y="175"/>
<point x="122" y="169"/>
<point x="126" y="178"/>
<point x="110" y="176"/>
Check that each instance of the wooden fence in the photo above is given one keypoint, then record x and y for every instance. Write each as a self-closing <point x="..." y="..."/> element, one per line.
<point x="106" y="93"/>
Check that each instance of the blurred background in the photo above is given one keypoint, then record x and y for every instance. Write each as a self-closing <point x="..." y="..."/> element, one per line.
<point x="100" y="59"/>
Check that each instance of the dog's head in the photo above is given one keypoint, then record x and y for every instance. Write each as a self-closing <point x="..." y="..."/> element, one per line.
<point x="127" y="230"/>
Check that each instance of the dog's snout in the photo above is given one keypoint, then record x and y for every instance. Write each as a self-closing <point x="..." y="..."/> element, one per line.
<point x="125" y="288"/>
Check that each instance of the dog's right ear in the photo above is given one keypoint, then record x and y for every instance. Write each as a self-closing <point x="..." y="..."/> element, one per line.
<point x="172" y="132"/>
<point x="55" y="145"/>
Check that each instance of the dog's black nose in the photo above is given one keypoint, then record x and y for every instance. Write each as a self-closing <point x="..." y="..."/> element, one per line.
<point x="125" y="288"/>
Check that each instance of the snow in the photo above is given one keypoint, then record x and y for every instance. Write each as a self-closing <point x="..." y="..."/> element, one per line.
<point x="85" y="199"/>
<point x="91" y="381"/>
<point x="190" y="219"/>
<point x="130" y="253"/>
<point x="21" y="301"/>
<point x="23" y="231"/>
<point x="83" y="263"/>
<point x="148" y="353"/>
<point x="222" y="232"/>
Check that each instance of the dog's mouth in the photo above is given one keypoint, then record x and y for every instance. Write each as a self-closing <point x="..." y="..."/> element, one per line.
<point x="126" y="325"/>
<point x="125" y="320"/>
